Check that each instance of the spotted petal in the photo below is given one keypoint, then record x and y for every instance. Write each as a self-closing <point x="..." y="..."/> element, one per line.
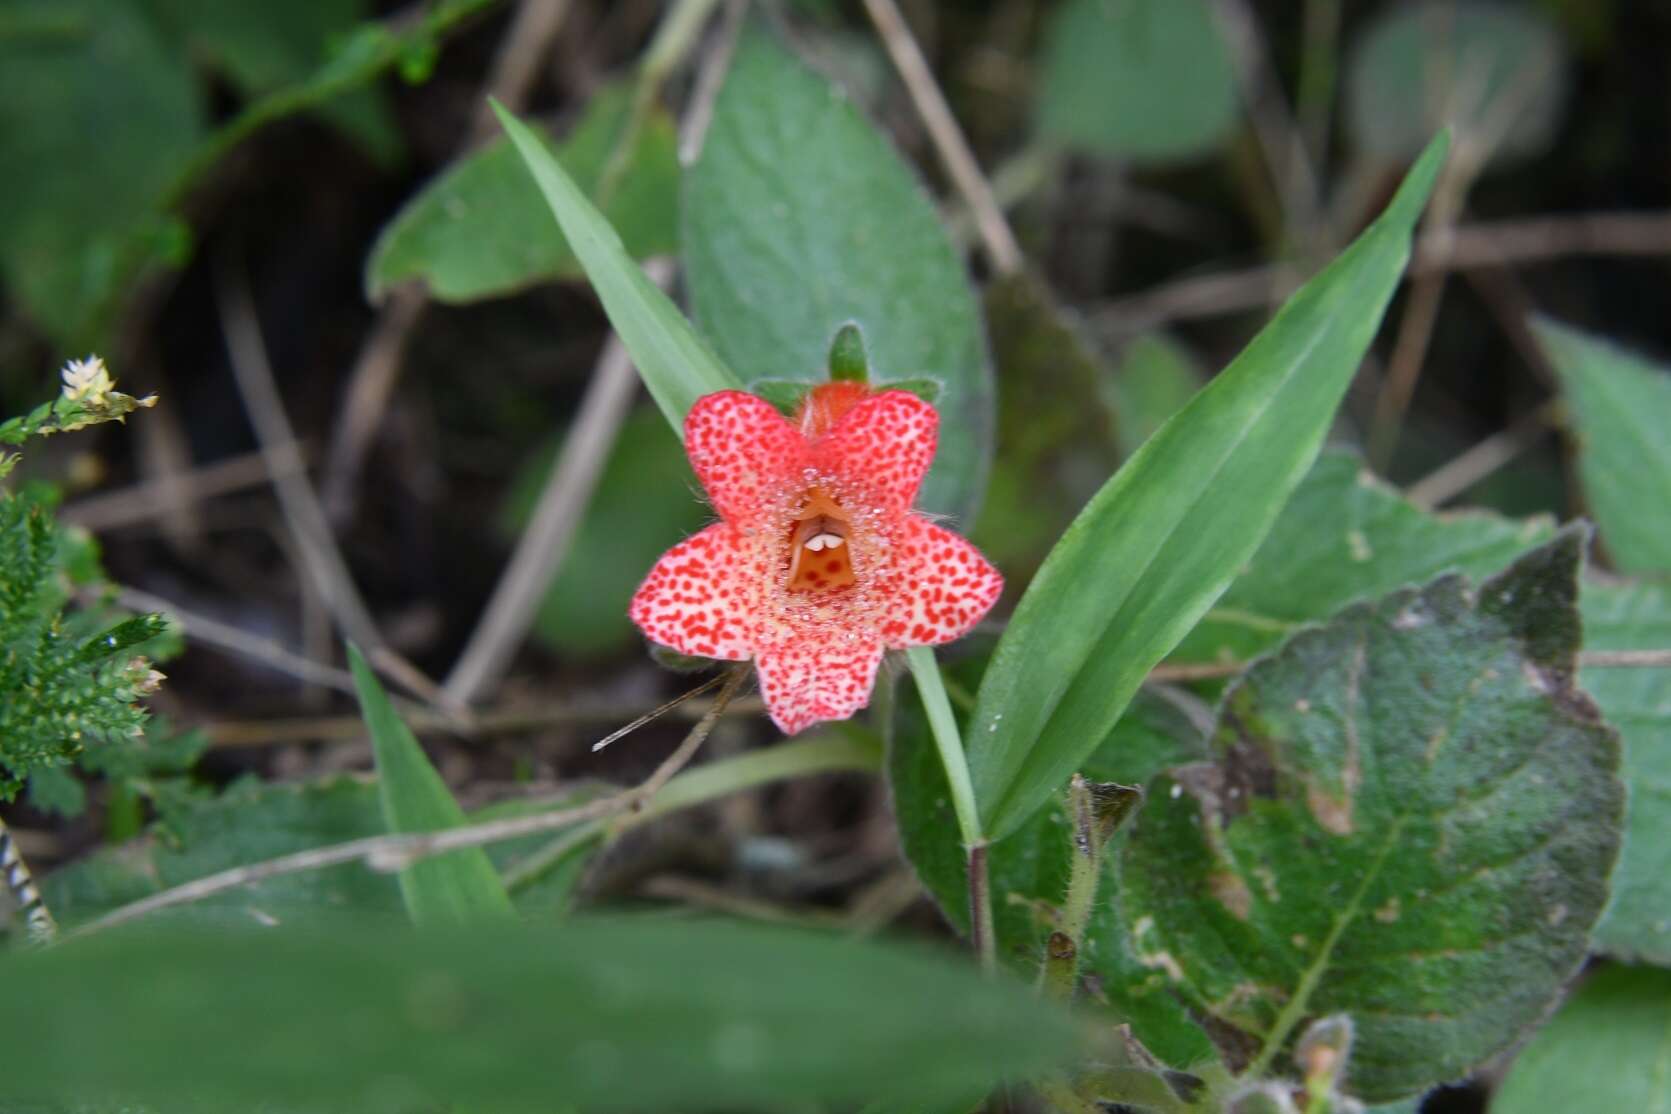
<point x="743" y="451"/>
<point x="942" y="587"/>
<point x="884" y="446"/>
<point x="807" y="681"/>
<point x="702" y="597"/>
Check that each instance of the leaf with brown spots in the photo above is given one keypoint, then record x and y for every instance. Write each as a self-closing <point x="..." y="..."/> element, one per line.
<point x="1410" y="818"/>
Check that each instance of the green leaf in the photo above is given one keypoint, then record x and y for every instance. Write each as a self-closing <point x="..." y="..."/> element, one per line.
<point x="1157" y="377"/>
<point x="800" y="218"/>
<point x="480" y="229"/>
<point x="1345" y="536"/>
<point x="459" y="887"/>
<point x="1145" y="80"/>
<point x="262" y="48"/>
<point x="677" y="366"/>
<point x="1163" y="539"/>
<point x="1474" y="66"/>
<point x="643" y="505"/>
<point x="252" y="822"/>
<point x="1605" y="1050"/>
<point x="97" y="112"/>
<point x="1055" y="446"/>
<point x="248" y="823"/>
<point x="1637" y="923"/>
<point x="1029" y="871"/>
<point x="645" y="1014"/>
<point x="1410" y="818"/>
<point x="1621" y="411"/>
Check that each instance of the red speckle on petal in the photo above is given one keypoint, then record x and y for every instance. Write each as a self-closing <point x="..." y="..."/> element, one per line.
<point x="881" y="576"/>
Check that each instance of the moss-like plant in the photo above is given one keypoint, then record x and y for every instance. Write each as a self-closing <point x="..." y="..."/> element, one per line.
<point x="66" y="685"/>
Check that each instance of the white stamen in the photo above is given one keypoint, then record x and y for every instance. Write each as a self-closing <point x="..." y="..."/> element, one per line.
<point x="821" y="542"/>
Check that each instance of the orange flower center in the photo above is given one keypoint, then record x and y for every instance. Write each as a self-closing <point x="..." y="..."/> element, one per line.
<point x="820" y="558"/>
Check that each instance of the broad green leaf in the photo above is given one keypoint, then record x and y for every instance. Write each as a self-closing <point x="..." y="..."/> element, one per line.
<point x="481" y="228"/>
<point x="460" y="887"/>
<point x="677" y="366"/>
<point x="1346" y="536"/>
<point x="1410" y="818"/>
<point x="1637" y="701"/>
<point x="1621" y="412"/>
<point x="799" y="217"/>
<point x="1475" y="66"/>
<point x="1156" y="378"/>
<point x="1163" y="539"/>
<point x="645" y="503"/>
<point x="1053" y="449"/>
<point x="262" y="47"/>
<point x="1029" y="871"/>
<point x="1145" y="80"/>
<point x="1608" y="1049"/>
<point x="248" y="823"/>
<point x="97" y="112"/>
<point x="645" y="1014"/>
<point x="259" y="46"/>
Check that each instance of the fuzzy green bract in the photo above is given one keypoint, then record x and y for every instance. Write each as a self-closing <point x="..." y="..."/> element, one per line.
<point x="800" y="218"/>
<point x="1163" y="539"/>
<point x="1409" y="816"/>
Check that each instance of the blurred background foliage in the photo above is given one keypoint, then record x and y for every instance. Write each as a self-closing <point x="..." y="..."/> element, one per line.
<point x="1172" y="169"/>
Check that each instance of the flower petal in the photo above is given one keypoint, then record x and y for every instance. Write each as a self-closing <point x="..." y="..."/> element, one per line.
<point x="743" y="451"/>
<point x="702" y="597"/>
<point x="884" y="446"/>
<point x="942" y="587"/>
<point x="805" y="682"/>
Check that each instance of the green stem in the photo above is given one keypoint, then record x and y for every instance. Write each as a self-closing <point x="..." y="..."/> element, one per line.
<point x="368" y="54"/>
<point x="677" y="34"/>
<point x="799" y="758"/>
<point x="943" y="725"/>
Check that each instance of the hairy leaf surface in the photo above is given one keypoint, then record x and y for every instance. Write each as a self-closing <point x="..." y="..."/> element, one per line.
<point x="1410" y="817"/>
<point x="799" y="218"/>
<point x="1166" y="535"/>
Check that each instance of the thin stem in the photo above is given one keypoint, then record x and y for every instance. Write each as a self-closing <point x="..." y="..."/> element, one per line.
<point x="20" y="883"/>
<point x="544" y="544"/>
<point x="926" y="672"/>
<point x="396" y="852"/>
<point x="675" y="37"/>
<point x="1629" y="659"/>
<point x="983" y="938"/>
<point x="370" y="53"/>
<point x="943" y="725"/>
<point x="1463" y="472"/>
<point x="1002" y="250"/>
<point x="821" y="754"/>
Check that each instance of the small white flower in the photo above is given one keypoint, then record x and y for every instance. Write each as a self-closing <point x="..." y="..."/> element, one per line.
<point x="87" y="380"/>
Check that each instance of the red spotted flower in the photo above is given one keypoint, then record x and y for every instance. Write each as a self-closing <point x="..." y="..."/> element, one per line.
<point x="817" y="564"/>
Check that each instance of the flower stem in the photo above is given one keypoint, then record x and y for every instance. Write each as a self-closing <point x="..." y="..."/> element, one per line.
<point x="943" y="725"/>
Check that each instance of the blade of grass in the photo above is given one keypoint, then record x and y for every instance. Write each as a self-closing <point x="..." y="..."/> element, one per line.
<point x="676" y="364"/>
<point x="452" y="889"/>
